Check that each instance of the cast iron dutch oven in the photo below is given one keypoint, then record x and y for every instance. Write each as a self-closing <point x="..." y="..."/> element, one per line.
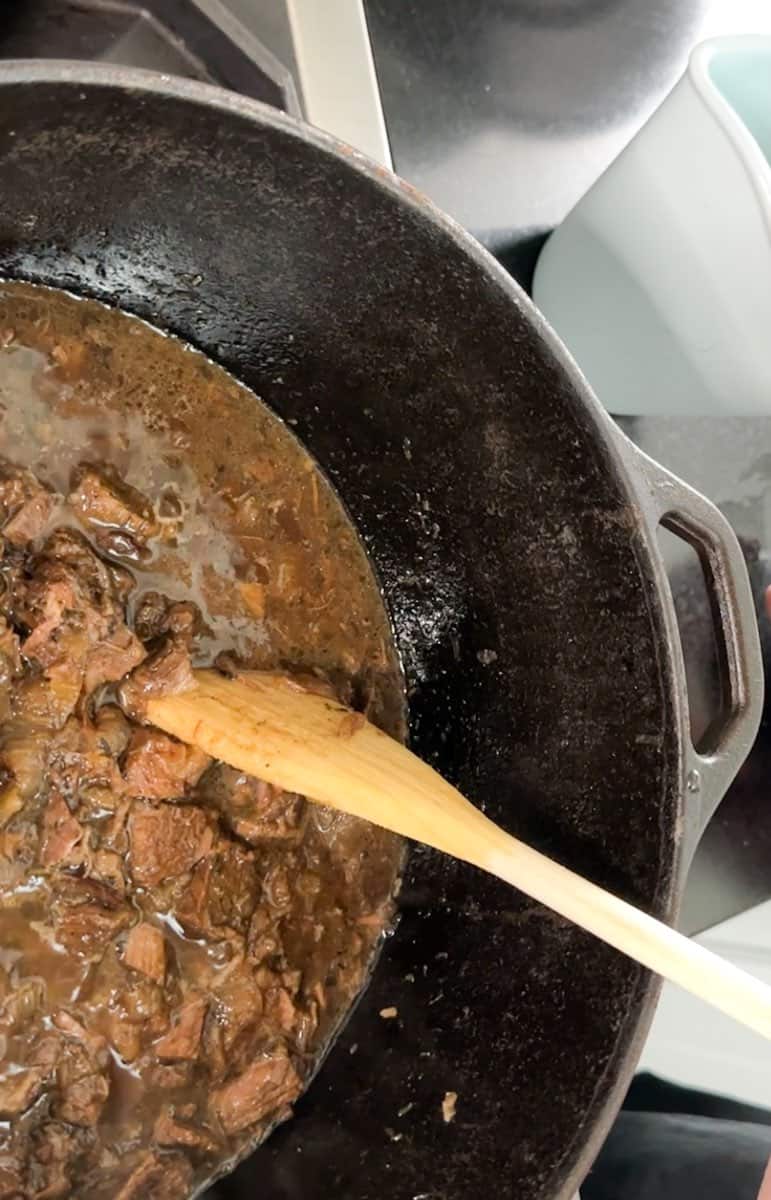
<point x="513" y="529"/>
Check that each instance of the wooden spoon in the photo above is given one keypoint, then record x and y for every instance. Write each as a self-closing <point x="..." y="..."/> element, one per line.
<point x="269" y="726"/>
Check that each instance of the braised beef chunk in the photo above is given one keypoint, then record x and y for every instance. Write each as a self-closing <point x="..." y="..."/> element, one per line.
<point x="168" y="670"/>
<point x="29" y="522"/>
<point x="113" y="729"/>
<point x="266" y="1087"/>
<point x="146" y="951"/>
<point x="118" y="517"/>
<point x="233" y="885"/>
<point x="75" y="631"/>
<point x="87" y="915"/>
<point x="25" y="505"/>
<point x="156" y="615"/>
<point x="150" y="616"/>
<point x="56" y="1153"/>
<point x="180" y="939"/>
<point x="67" y="579"/>
<point x="19" y="1091"/>
<point x="158" y="767"/>
<point x="184" y="1038"/>
<point x="166" y="841"/>
<point x="61" y="835"/>
<point x="21" y="1006"/>
<point x="83" y="1085"/>
<point x="221" y="892"/>
<point x="257" y="811"/>
<point x="157" y="1177"/>
<point x="11" y="1176"/>
<point x="169" y="1131"/>
<point x="113" y="658"/>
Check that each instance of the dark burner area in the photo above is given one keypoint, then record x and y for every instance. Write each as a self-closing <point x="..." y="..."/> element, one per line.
<point x="173" y="36"/>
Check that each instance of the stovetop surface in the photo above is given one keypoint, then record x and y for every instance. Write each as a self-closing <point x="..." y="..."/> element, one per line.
<point x="173" y="36"/>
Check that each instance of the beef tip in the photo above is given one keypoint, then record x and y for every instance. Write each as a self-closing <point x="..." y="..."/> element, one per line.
<point x="61" y="835"/>
<point x="146" y="951"/>
<point x="143" y="1002"/>
<point x="82" y="1091"/>
<point x="184" y="1038"/>
<point x="18" y="851"/>
<point x="107" y="867"/>
<point x="167" y="671"/>
<point x="238" y="1005"/>
<point x="129" y="1006"/>
<point x="265" y="1088"/>
<point x="68" y="606"/>
<point x="23" y="757"/>
<point x="113" y="831"/>
<point x="123" y="583"/>
<point x="25" y="505"/>
<point x="166" y="841"/>
<point x="24" y="1003"/>
<point x="30" y="521"/>
<point x="87" y="915"/>
<point x="82" y="1074"/>
<point x="158" y="1177"/>
<point x="112" y="728"/>
<point x="158" y="767"/>
<point x="69" y="1025"/>
<point x="10" y="666"/>
<point x="184" y="621"/>
<point x="264" y="937"/>
<point x="192" y="906"/>
<point x="19" y="1092"/>
<point x="45" y="1052"/>
<point x="94" y="1046"/>
<point x="80" y="761"/>
<point x="280" y="1009"/>
<point x="71" y="593"/>
<point x="118" y="517"/>
<point x="47" y="604"/>
<point x="10" y="653"/>
<point x="222" y="891"/>
<point x="49" y="699"/>
<point x="79" y="890"/>
<point x="56" y="1151"/>
<point x="113" y="658"/>
<point x="87" y="929"/>
<point x="171" y="1132"/>
<point x="277" y="888"/>
<point x="150" y="616"/>
<point x="16" y="485"/>
<point x="125" y="1038"/>
<point x="157" y="615"/>
<point x="11" y="1182"/>
<point x="233" y="886"/>
<point x="256" y="811"/>
<point x="81" y="586"/>
<point x="168" y="1076"/>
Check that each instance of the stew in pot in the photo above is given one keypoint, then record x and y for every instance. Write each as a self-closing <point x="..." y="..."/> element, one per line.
<point x="178" y="943"/>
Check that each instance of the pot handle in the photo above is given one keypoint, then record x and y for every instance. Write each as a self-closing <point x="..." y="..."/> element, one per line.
<point x="685" y="512"/>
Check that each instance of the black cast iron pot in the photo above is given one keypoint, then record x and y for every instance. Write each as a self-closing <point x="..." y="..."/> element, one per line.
<point x="513" y="529"/>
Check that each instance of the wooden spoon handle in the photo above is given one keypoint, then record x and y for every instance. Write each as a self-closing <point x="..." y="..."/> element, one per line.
<point x="267" y="726"/>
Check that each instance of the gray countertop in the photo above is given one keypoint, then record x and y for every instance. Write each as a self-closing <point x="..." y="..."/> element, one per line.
<point x="504" y="112"/>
